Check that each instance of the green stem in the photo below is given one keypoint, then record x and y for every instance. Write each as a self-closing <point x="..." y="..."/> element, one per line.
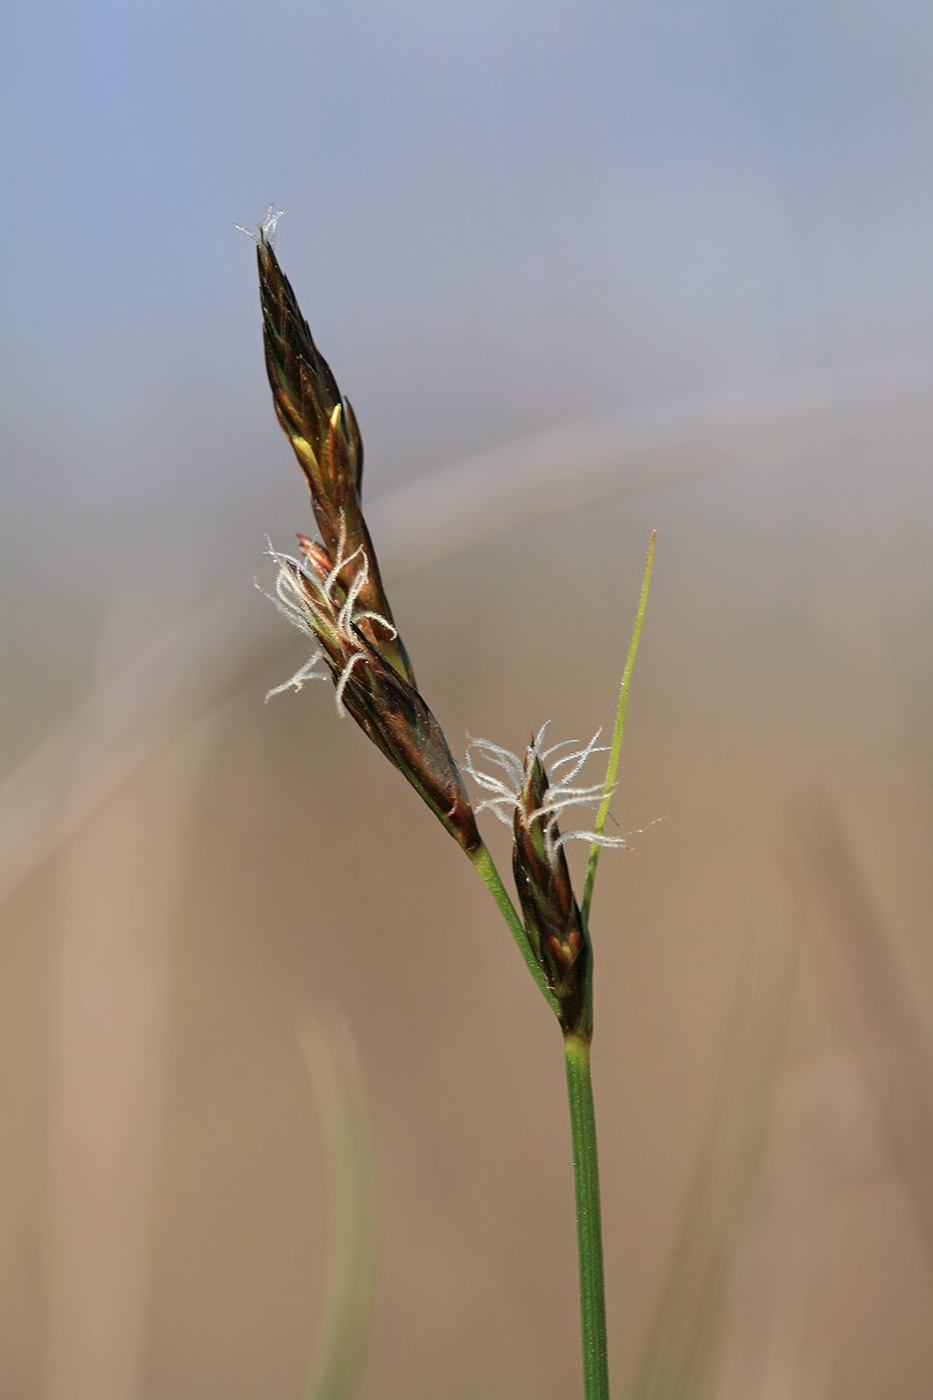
<point x="486" y="866"/>
<point x="589" y="1219"/>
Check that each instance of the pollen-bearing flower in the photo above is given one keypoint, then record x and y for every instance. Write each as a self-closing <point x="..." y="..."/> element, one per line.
<point x="530" y="802"/>
<point x="334" y="593"/>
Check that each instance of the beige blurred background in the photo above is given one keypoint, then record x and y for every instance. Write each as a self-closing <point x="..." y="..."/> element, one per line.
<point x="585" y="272"/>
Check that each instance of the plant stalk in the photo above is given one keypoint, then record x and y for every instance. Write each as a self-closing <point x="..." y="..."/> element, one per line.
<point x="485" y="864"/>
<point x="589" y="1219"/>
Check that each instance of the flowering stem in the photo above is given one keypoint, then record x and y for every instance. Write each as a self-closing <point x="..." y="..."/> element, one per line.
<point x="613" y="765"/>
<point x="486" y="866"/>
<point x="589" y="1219"/>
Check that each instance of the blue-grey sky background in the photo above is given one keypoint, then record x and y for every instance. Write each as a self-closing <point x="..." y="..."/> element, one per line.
<point x="503" y="217"/>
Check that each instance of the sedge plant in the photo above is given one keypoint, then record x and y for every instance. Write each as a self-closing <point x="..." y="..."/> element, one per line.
<point x="333" y="592"/>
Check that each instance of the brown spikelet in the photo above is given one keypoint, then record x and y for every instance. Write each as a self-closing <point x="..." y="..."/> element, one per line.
<point x="335" y="593"/>
<point x="322" y="429"/>
<point x="549" y="907"/>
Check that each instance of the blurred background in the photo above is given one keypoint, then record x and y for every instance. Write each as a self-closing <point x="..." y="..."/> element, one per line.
<point x="584" y="270"/>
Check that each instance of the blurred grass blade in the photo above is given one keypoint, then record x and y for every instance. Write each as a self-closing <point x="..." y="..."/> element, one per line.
<point x="351" y="1196"/>
<point x="880" y="1008"/>
<point x="681" y="1357"/>
<point x="616" y="747"/>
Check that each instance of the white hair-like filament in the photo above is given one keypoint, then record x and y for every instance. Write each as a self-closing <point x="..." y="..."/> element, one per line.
<point x="506" y="791"/>
<point x="312" y="607"/>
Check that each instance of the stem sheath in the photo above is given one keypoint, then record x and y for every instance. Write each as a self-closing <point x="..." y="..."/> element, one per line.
<point x="589" y="1219"/>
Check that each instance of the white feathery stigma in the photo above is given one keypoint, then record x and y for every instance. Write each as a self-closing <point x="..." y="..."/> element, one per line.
<point x="267" y="228"/>
<point x="312" y="607"/>
<point x="561" y="793"/>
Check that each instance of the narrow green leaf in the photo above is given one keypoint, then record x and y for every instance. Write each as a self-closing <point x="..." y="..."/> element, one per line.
<point x="615" y="750"/>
